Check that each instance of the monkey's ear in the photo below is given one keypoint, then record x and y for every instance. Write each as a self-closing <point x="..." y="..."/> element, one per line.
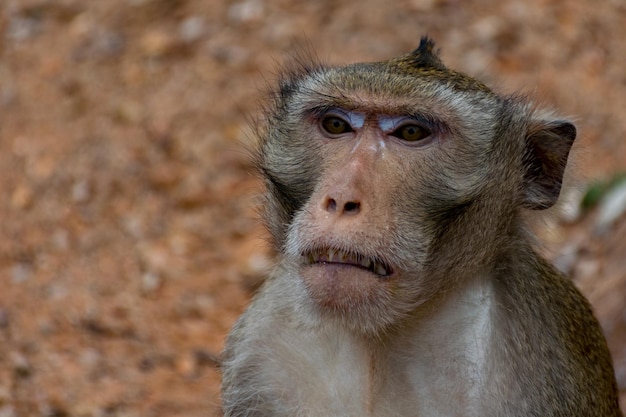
<point x="547" y="147"/>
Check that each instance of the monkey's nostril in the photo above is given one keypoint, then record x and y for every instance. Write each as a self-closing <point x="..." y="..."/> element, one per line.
<point x="331" y="205"/>
<point x="352" y="207"/>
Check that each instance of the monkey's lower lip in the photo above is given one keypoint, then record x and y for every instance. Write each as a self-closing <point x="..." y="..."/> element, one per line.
<point x="339" y="257"/>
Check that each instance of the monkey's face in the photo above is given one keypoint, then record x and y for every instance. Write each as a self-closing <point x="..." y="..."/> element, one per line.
<point x="385" y="188"/>
<point x="365" y="184"/>
<point x="350" y="237"/>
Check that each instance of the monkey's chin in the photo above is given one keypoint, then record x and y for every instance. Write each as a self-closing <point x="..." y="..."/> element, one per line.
<point x="347" y="290"/>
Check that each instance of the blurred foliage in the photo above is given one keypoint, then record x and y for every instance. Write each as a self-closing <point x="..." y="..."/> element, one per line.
<point x="598" y="189"/>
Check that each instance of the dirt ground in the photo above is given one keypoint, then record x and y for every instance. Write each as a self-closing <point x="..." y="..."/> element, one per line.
<point x="129" y="240"/>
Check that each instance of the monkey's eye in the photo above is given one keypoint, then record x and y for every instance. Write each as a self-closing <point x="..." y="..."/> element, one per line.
<point x="411" y="133"/>
<point x="335" y="125"/>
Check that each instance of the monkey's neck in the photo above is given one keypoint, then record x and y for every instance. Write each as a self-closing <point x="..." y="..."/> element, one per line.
<point x="449" y="347"/>
<point x="458" y="318"/>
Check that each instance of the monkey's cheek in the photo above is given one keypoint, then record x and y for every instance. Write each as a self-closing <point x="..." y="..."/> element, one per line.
<point x="345" y="288"/>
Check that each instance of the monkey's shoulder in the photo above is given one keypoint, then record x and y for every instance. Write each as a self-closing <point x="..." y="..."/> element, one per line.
<point x="545" y="326"/>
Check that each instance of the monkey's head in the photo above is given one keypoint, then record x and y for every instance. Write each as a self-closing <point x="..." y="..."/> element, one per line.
<point x="390" y="182"/>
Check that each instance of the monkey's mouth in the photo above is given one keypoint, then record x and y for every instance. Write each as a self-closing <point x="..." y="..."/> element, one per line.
<point x="340" y="257"/>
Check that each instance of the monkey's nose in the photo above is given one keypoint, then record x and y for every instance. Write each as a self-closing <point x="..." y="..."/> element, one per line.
<point x="340" y="208"/>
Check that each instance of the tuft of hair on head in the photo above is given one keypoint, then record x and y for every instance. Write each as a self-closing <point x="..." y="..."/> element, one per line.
<point x="425" y="55"/>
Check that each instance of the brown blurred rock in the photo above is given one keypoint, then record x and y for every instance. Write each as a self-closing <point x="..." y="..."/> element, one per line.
<point x="22" y="197"/>
<point x="21" y="366"/>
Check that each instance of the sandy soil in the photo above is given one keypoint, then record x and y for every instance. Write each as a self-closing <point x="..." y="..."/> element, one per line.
<point x="129" y="241"/>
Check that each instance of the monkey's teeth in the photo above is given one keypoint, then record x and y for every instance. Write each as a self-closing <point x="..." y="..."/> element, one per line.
<point x="342" y="257"/>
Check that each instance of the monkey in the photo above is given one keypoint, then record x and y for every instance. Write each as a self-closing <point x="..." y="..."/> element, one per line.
<point x="407" y="281"/>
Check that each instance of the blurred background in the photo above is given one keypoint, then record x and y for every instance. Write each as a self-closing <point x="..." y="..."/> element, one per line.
<point x="129" y="240"/>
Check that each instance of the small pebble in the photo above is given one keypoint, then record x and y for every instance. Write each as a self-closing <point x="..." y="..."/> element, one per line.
<point x="81" y="192"/>
<point x="150" y="282"/>
<point x="246" y="11"/>
<point x="20" y="364"/>
<point x="21" y="272"/>
<point x="191" y="29"/>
